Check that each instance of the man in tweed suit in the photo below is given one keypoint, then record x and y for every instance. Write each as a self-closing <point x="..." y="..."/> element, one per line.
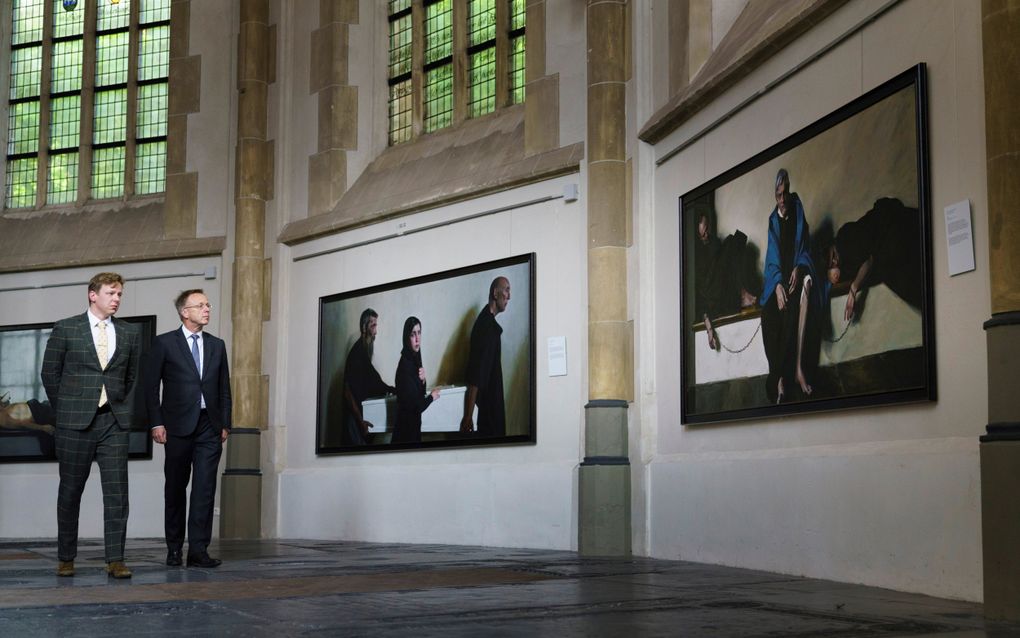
<point x="90" y="371"/>
<point x="192" y="421"/>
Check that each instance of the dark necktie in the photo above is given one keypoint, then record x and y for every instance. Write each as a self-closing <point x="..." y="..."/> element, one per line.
<point x="194" y="354"/>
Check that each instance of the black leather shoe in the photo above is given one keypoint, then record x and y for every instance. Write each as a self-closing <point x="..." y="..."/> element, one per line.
<point x="173" y="558"/>
<point x="203" y="560"/>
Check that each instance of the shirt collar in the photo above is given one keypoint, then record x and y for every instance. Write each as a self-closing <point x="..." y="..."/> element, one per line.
<point x="188" y="333"/>
<point x="93" y="320"/>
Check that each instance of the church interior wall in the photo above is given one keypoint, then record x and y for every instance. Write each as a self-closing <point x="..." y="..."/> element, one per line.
<point x="886" y="496"/>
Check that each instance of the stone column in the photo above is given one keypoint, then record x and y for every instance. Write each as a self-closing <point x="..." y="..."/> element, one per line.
<point x="1000" y="447"/>
<point x="241" y="497"/>
<point x="604" y="479"/>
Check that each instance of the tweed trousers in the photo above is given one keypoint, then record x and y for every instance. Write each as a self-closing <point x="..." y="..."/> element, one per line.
<point x="106" y="443"/>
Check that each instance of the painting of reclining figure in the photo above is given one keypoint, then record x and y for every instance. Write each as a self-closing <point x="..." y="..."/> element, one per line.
<point x="806" y="270"/>
<point x="27" y="420"/>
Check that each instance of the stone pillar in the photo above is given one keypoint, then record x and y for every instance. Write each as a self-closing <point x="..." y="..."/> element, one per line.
<point x="1000" y="447"/>
<point x="241" y="497"/>
<point x="604" y="479"/>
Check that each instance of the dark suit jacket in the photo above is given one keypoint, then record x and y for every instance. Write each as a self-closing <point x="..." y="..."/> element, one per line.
<point x="73" y="377"/>
<point x="170" y="361"/>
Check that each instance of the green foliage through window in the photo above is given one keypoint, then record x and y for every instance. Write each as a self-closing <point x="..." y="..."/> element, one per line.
<point x="484" y="40"/>
<point x="47" y="165"/>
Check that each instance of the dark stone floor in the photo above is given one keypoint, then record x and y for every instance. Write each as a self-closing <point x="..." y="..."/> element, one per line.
<point x="329" y="588"/>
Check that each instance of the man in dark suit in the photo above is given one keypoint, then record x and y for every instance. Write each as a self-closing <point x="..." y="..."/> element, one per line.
<point x="192" y="421"/>
<point x="90" y="370"/>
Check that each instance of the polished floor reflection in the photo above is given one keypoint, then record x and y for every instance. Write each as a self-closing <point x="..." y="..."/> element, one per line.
<point x="330" y="588"/>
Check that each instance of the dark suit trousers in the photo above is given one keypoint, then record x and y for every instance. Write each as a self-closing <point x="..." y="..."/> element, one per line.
<point x="195" y="456"/>
<point x="107" y="444"/>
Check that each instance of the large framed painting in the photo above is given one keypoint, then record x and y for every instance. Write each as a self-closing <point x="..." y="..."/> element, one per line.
<point x="806" y="278"/>
<point x="26" y="418"/>
<point x="436" y="361"/>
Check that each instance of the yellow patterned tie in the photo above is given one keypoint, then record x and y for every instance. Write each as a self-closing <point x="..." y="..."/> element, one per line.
<point x="104" y="357"/>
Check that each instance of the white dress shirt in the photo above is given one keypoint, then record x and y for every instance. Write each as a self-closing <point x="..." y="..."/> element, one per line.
<point x="111" y="333"/>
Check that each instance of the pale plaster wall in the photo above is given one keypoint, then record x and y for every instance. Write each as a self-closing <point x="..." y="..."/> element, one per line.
<point x="886" y="496"/>
<point x="28" y="491"/>
<point x="520" y="495"/>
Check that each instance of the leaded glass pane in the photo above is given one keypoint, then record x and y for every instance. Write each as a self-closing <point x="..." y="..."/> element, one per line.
<point x="112" y="59"/>
<point x="153" y="11"/>
<point x="21" y="184"/>
<point x="438" y="97"/>
<point x="517" y="14"/>
<point x="481" y="21"/>
<point x="26" y="72"/>
<point x="154" y="53"/>
<point x="62" y="179"/>
<point x="113" y="15"/>
<point x="150" y="168"/>
<point x="482" y="82"/>
<point x="110" y="120"/>
<point x="438" y="31"/>
<point x="108" y="172"/>
<point x="400" y="46"/>
<point x="517" y="69"/>
<point x="151" y="115"/>
<point x="396" y="6"/>
<point x="23" y="128"/>
<point x="65" y="122"/>
<point x="66" y="66"/>
<point x="27" y="23"/>
<point x="400" y="112"/>
<point x="66" y="23"/>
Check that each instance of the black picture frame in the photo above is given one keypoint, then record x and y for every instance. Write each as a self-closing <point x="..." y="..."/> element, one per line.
<point x="35" y="442"/>
<point x="859" y="179"/>
<point x="447" y="303"/>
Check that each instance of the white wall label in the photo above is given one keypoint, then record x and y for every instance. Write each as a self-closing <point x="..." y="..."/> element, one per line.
<point x="959" y="238"/>
<point x="557" y="356"/>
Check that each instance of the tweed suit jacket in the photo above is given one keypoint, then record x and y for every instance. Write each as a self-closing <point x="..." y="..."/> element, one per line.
<point x="171" y="362"/>
<point x="73" y="377"/>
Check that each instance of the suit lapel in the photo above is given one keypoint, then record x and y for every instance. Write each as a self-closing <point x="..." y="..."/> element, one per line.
<point x="88" y="343"/>
<point x="207" y="348"/>
<point x="182" y="343"/>
<point x="121" y="332"/>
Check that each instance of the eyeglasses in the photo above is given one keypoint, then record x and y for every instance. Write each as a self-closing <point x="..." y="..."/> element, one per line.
<point x="200" y="305"/>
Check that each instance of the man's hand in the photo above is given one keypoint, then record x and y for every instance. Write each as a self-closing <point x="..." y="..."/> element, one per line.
<point x="365" y="427"/>
<point x="435" y="394"/>
<point x="421" y="374"/>
<point x="466" y="425"/>
<point x="781" y="296"/>
<point x="159" y="434"/>
<point x="224" y="433"/>
<point x="851" y="298"/>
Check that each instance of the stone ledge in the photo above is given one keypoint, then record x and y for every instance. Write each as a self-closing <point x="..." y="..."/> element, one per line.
<point x="760" y="31"/>
<point x="479" y="157"/>
<point x="45" y="240"/>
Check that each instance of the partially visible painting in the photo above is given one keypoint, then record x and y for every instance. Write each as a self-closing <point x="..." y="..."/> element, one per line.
<point x="441" y="360"/>
<point x="806" y="280"/>
<point x="26" y="418"/>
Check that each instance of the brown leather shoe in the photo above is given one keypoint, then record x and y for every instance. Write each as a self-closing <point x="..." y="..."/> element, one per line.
<point x="65" y="568"/>
<point x="118" y="569"/>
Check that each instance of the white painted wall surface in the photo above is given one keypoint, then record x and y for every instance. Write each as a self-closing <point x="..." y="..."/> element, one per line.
<point x="886" y="496"/>
<point x="520" y="495"/>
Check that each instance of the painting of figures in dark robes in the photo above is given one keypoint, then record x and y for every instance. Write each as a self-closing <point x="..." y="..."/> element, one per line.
<point x="436" y="361"/>
<point x="806" y="279"/>
<point x="27" y="419"/>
